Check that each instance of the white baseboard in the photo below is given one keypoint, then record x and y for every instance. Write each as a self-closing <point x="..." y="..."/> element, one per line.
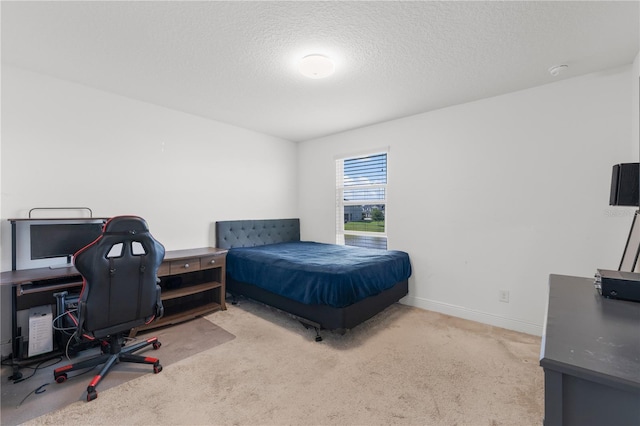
<point x="473" y="315"/>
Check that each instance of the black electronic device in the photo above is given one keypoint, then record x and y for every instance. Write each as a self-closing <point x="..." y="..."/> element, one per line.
<point x="625" y="185"/>
<point x="618" y="284"/>
<point x="65" y="325"/>
<point x="39" y="243"/>
<point x="61" y="239"/>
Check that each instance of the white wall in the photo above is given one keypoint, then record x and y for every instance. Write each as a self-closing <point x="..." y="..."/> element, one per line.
<point x="635" y="104"/>
<point x="68" y="145"/>
<point x="486" y="196"/>
<point x="495" y="194"/>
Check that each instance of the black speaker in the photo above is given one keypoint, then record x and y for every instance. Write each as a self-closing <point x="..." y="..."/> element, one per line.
<point x="625" y="185"/>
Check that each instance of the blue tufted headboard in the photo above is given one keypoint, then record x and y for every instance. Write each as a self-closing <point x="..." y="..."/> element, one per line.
<point x="250" y="233"/>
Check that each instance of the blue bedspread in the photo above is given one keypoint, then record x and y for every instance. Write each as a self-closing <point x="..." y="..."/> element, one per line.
<point x="317" y="273"/>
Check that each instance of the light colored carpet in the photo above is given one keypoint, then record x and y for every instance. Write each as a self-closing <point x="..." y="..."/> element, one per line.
<point x="404" y="366"/>
<point x="20" y="403"/>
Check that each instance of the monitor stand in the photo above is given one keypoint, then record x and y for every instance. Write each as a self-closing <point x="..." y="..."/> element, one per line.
<point x="62" y="265"/>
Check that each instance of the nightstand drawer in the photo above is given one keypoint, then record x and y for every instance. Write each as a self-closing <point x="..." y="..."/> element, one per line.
<point x="214" y="261"/>
<point x="185" y="265"/>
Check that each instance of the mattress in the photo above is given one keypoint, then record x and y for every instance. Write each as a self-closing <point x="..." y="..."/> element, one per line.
<point x="318" y="273"/>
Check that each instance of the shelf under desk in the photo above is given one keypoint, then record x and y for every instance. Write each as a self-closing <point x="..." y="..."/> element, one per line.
<point x="192" y="281"/>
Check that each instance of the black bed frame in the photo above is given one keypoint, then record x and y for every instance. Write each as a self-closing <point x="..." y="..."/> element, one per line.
<point x="250" y="233"/>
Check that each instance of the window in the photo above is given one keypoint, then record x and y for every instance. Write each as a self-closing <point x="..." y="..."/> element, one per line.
<point x="361" y="201"/>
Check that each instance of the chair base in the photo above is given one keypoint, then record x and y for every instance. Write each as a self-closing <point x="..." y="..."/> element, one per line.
<point x="112" y="353"/>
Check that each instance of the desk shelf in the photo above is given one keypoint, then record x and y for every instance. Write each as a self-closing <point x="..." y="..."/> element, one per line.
<point x="33" y="288"/>
<point x="192" y="289"/>
<point x="183" y="315"/>
<point x="193" y="284"/>
<point x="192" y="281"/>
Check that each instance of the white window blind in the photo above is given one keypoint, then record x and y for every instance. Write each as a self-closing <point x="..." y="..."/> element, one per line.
<point x="361" y="201"/>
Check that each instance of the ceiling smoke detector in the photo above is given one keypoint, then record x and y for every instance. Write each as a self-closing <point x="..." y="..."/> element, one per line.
<point x="557" y="69"/>
<point x="316" y="66"/>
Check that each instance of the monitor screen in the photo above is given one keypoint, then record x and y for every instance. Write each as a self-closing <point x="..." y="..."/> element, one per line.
<point x="50" y="242"/>
<point x="61" y="239"/>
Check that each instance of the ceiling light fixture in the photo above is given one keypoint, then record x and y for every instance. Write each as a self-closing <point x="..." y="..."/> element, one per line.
<point x="316" y="66"/>
<point x="557" y="69"/>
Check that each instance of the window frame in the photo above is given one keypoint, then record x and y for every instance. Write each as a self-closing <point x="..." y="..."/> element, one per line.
<point x="341" y="203"/>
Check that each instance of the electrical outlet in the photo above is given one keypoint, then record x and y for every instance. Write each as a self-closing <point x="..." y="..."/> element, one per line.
<point x="503" y="296"/>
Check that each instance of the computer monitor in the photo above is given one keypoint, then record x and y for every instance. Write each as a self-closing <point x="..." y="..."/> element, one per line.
<point x="40" y="243"/>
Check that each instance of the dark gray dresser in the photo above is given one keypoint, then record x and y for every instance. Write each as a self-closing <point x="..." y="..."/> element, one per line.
<point x="591" y="356"/>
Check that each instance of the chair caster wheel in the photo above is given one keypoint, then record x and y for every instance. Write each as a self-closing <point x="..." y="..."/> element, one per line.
<point x="156" y="345"/>
<point x="61" y="378"/>
<point x="157" y="368"/>
<point x="91" y="395"/>
<point x="318" y="338"/>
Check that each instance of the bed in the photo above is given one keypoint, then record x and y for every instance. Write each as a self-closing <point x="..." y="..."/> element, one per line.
<point x="324" y="286"/>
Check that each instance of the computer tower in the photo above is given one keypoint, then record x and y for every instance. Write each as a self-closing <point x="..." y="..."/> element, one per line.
<point x="40" y="330"/>
<point x="625" y="185"/>
<point x="66" y="327"/>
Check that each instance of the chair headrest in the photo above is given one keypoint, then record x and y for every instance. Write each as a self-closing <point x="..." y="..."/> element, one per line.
<point x="126" y="224"/>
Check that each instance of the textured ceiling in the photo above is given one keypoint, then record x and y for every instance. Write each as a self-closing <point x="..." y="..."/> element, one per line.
<point x="235" y="61"/>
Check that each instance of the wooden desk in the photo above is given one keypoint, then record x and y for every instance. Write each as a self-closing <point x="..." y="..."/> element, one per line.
<point x="35" y="287"/>
<point x="193" y="284"/>
<point x="192" y="281"/>
<point x="591" y="356"/>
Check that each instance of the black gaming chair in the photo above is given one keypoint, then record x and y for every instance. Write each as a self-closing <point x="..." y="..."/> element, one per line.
<point x="120" y="291"/>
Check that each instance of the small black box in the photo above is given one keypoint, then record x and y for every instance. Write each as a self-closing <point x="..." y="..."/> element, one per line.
<point x="618" y="284"/>
<point x="625" y="185"/>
